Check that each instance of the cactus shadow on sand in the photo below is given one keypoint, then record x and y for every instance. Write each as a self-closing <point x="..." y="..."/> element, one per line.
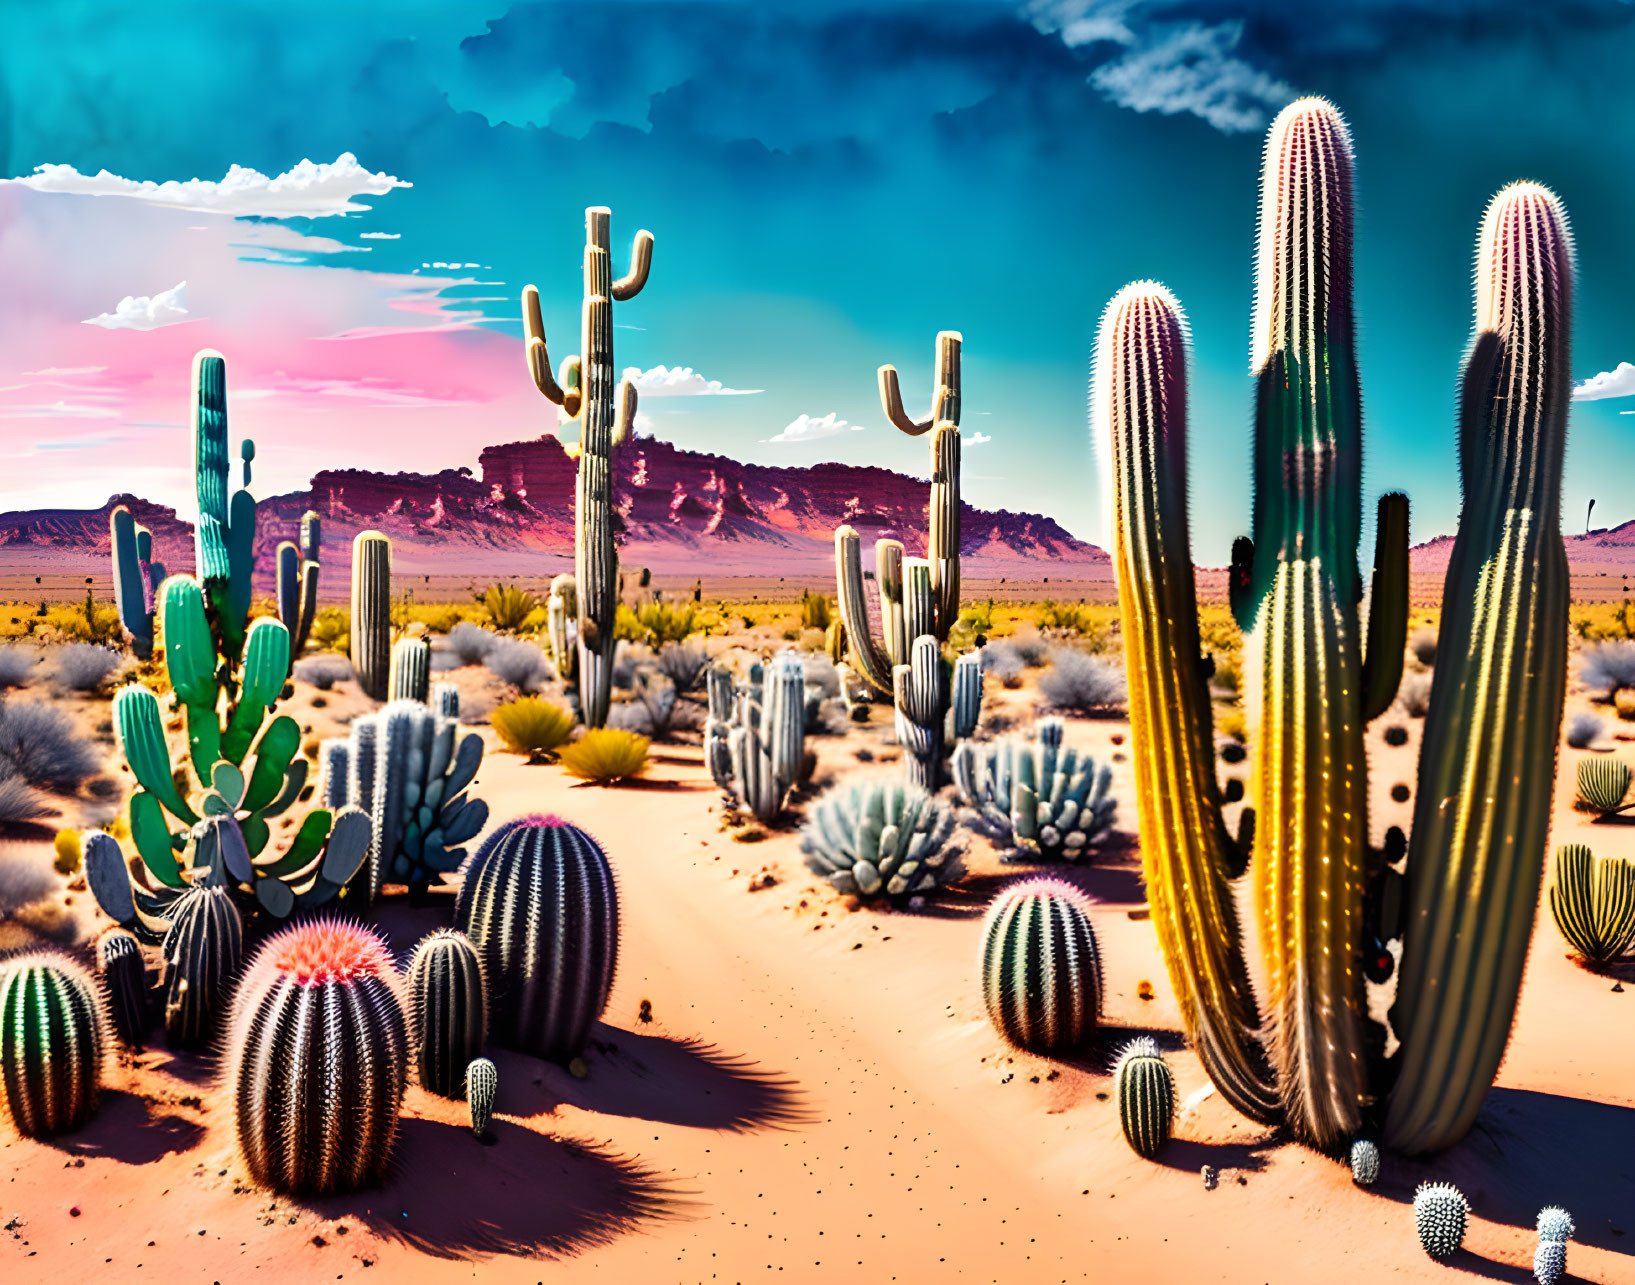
<point x="131" y="1130"/>
<point x="526" y="1194"/>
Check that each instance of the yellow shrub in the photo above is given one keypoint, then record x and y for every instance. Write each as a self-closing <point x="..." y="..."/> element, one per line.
<point x="606" y="755"/>
<point x="532" y="726"/>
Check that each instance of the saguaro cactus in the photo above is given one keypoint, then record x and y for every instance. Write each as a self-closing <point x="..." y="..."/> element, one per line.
<point x="52" y="1038"/>
<point x="605" y="416"/>
<point x="410" y="670"/>
<point x="224" y="539"/>
<point x="136" y="576"/>
<point x="372" y="612"/>
<point x="1041" y="967"/>
<point x="317" y="1059"/>
<point x="297" y="582"/>
<point x="1494" y="724"/>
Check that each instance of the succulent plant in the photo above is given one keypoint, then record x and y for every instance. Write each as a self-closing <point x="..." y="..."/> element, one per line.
<point x="371" y="642"/>
<point x="766" y="744"/>
<point x="881" y="838"/>
<point x="1365" y="1162"/>
<point x="1441" y="1216"/>
<point x="1593" y="902"/>
<point x="125" y="979"/>
<point x="967" y="711"/>
<point x="317" y="1059"/>
<point x="1549" y="1261"/>
<point x="410" y="676"/>
<point x="136" y="577"/>
<point x="605" y="415"/>
<point x="52" y="1041"/>
<point x="297" y="582"/>
<point x="920" y="692"/>
<point x="1146" y="1096"/>
<point x="1041" y="967"/>
<point x="448" y="1010"/>
<point x="1603" y="783"/>
<point x="482" y="1079"/>
<point x="1555" y="1223"/>
<point x="1033" y="795"/>
<point x="203" y="951"/>
<point x="539" y="904"/>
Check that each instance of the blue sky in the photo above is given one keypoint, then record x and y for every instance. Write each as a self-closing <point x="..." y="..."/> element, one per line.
<point x="829" y="184"/>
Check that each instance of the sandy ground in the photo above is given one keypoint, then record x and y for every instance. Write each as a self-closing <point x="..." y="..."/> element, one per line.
<point x="819" y="1096"/>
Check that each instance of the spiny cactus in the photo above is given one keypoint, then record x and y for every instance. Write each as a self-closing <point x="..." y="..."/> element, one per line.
<point x="371" y="641"/>
<point x="1365" y="1162"/>
<point x="1041" y="967"/>
<point x="410" y="677"/>
<point x="718" y="726"/>
<point x="203" y="950"/>
<point x="136" y="577"/>
<point x="1494" y="726"/>
<point x="881" y="838"/>
<point x="317" y="1059"/>
<point x="481" y="1081"/>
<point x="448" y="1010"/>
<point x="224" y="537"/>
<point x="125" y="978"/>
<point x="52" y="1041"/>
<point x="1555" y="1223"/>
<point x="755" y="736"/>
<point x="1146" y="1096"/>
<point x="1555" y="1229"/>
<point x="920" y="692"/>
<point x="1440" y="1216"/>
<point x="297" y="582"/>
<point x="1593" y="902"/>
<point x="967" y="711"/>
<point x="1603" y="784"/>
<point x="605" y="416"/>
<point x="334" y="770"/>
<point x="539" y="904"/>
<point x="445" y="701"/>
<point x="1034" y="795"/>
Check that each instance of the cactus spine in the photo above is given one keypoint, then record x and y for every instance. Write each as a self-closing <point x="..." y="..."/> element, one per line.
<point x="482" y="1079"/>
<point x="203" y="950"/>
<point x="1593" y="902"/>
<point x="1493" y="728"/>
<point x="372" y="612"/>
<point x="52" y="1037"/>
<point x="1440" y="1216"/>
<point x="1555" y="1229"/>
<point x="1041" y="967"/>
<point x="1146" y="1096"/>
<point x="448" y="1010"/>
<point x="317" y="1059"/>
<point x="410" y="670"/>
<point x="125" y="978"/>
<point x="540" y="906"/>
<point x="606" y="416"/>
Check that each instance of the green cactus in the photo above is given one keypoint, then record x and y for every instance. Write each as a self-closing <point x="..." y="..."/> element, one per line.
<point x="52" y="1040"/>
<point x="1592" y="900"/>
<point x="1146" y="1096"/>
<point x="967" y="698"/>
<point x="606" y="416"/>
<point x="1041" y="967"/>
<point x="1603" y="784"/>
<point x="297" y="582"/>
<point x="371" y="641"/>
<point x="1441" y="1216"/>
<point x="1034" y="796"/>
<point x="133" y="587"/>
<point x="203" y="950"/>
<point x="125" y="979"/>
<point x="224" y="537"/>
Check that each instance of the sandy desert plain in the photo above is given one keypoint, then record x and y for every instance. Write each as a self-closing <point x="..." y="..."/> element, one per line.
<point x="789" y="1085"/>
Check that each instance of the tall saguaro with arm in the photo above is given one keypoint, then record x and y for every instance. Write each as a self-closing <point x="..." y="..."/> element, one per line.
<point x="587" y="394"/>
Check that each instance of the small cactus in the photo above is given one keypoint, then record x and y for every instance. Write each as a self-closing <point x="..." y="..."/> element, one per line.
<point x="1146" y="1096"/>
<point x="1592" y="900"/>
<point x="410" y="675"/>
<point x="52" y="1036"/>
<point x="1365" y="1162"/>
<point x="1441" y="1216"/>
<point x="482" y="1079"/>
<point x="203" y="950"/>
<point x="1555" y="1223"/>
<point x="967" y="709"/>
<point x="1036" y="797"/>
<point x="125" y="978"/>
<point x="317" y="1059"/>
<point x="882" y="838"/>
<point x="1603" y="783"/>
<point x="1550" y="1261"/>
<point x="539" y="904"/>
<point x="448" y="1010"/>
<point x="372" y="612"/>
<point x="1041" y="967"/>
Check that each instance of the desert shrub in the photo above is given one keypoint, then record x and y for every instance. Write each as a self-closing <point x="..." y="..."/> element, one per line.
<point x="606" y="755"/>
<point x="1004" y="662"/>
<point x="683" y="663"/>
<point x="536" y="621"/>
<point x="17" y="665"/>
<point x="438" y="617"/>
<point x="19" y="803"/>
<point x="1414" y="695"/>
<point x="626" y="626"/>
<point x="332" y="630"/>
<point x="663" y="622"/>
<point x="85" y="667"/>
<point x="1076" y="618"/>
<point x="323" y="672"/>
<point x="1031" y="647"/>
<point x="66" y="856"/>
<point x="38" y="745"/>
<point x="508" y="606"/>
<point x="814" y="611"/>
<point x="1423" y="646"/>
<point x="471" y="643"/>
<point x="655" y="695"/>
<point x="1076" y="681"/>
<point x="88" y="621"/>
<point x="521" y="664"/>
<point x="1584" y="730"/>
<point x="628" y="660"/>
<point x="821" y="677"/>
<point x="23" y="877"/>
<point x="531" y="726"/>
<point x="1608" y="666"/>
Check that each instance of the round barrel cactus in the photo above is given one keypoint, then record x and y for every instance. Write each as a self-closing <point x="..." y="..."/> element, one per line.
<point x="448" y="1010"/>
<point x="482" y="1079"/>
<point x="317" y="1059"/>
<point x="203" y="950"/>
<point x="125" y="978"/>
<point x="52" y="1037"/>
<point x="539" y="904"/>
<point x="1441" y="1216"/>
<point x="1146" y="1096"/>
<point x="1041" y="968"/>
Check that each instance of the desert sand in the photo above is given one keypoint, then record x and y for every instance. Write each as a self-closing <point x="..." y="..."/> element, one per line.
<point x="818" y="1095"/>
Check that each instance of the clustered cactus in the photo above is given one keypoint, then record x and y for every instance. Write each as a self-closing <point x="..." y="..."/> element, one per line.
<point x="1041" y="967"/>
<point x="1496" y="700"/>
<point x="137" y="578"/>
<point x="755" y="735"/>
<point x="881" y="838"/>
<point x="1145" y="1088"/>
<point x="297" y="582"/>
<point x="52" y="1043"/>
<point x="605" y="416"/>
<point x="1592" y="900"/>
<point x="448" y="1010"/>
<point x="1441" y="1216"/>
<point x="1035" y="796"/>
<point x="1555" y="1229"/>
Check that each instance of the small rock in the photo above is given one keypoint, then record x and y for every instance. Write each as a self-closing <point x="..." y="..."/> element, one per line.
<point x="646" y="1013"/>
<point x="1209" y="1176"/>
<point x="578" y="1069"/>
<point x="74" y="1212"/>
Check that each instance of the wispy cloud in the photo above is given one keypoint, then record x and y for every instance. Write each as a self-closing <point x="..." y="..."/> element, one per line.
<point x="681" y="381"/>
<point x="380" y="236"/>
<point x="145" y="312"/>
<point x="1618" y="382"/>
<point x="979" y="439"/>
<point x="306" y="190"/>
<point x="807" y="429"/>
<point x="370" y="390"/>
<point x="1192" y="69"/>
<point x="59" y="410"/>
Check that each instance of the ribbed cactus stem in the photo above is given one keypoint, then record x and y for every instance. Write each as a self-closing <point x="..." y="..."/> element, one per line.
<point x="125" y="978"/>
<point x="921" y="694"/>
<point x="334" y="769"/>
<point x="718" y="726"/>
<point x="967" y="695"/>
<point x="1041" y="967"/>
<point x="562" y="627"/>
<point x="410" y="670"/>
<point x="1146" y="1096"/>
<point x="1488" y="763"/>
<point x="311" y="555"/>
<point x="1593" y="902"/>
<point x="224" y="539"/>
<point x="203" y="950"/>
<point x="132" y="592"/>
<point x="481" y="1082"/>
<point x="372" y="612"/>
<point x="317" y="1059"/>
<point x="448" y="1010"/>
<point x="785" y="721"/>
<point x="52" y="1040"/>
<point x="1139" y="417"/>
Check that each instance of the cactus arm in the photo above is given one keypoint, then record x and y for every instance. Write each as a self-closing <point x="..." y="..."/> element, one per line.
<point x="1387" y="608"/>
<point x="287" y="584"/>
<point x="874" y="663"/>
<point x="241" y="552"/>
<point x="210" y="467"/>
<point x="1138" y="403"/>
<point x="153" y="840"/>
<point x="266" y="664"/>
<point x="1488" y="764"/>
<point x="539" y="355"/>
<point x="641" y="261"/>
<point x="945" y="400"/>
<point x="371" y="640"/>
<point x="303" y="849"/>
<point x="625" y="422"/>
<point x="273" y="753"/>
<point x="131" y="592"/>
<point x="141" y="731"/>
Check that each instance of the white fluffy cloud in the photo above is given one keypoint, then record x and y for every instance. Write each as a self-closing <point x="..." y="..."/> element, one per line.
<point x="1191" y="69"/>
<point x="1619" y="382"/>
<point x="979" y="439"/>
<point x="307" y="190"/>
<point x="808" y="429"/>
<point x="381" y="236"/>
<point x="146" y="312"/>
<point x="681" y="381"/>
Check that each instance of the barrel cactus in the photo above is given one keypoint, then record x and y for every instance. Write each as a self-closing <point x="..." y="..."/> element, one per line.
<point x="125" y="978"/>
<point x="371" y="637"/>
<point x="1034" y="796"/>
<point x="410" y="675"/>
<point x="317" y="1059"/>
<point x="539" y="904"/>
<point x="52" y="1041"/>
<point x="448" y="1010"/>
<point x="1365" y="1162"/>
<point x="1041" y="967"/>
<point x="1593" y="902"/>
<point x="881" y="838"/>
<point x="203" y="950"/>
<point x="1146" y="1096"/>
<point x="1555" y="1229"/>
<point x="1603" y="784"/>
<point x="1441" y="1217"/>
<point x="482" y="1079"/>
